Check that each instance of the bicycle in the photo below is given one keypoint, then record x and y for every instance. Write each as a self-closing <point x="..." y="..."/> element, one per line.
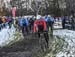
<point x="42" y="40"/>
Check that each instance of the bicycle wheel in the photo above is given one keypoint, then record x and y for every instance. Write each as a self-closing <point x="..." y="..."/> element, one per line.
<point x="43" y="42"/>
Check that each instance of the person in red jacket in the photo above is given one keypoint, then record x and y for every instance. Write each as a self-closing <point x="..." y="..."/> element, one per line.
<point x="41" y="27"/>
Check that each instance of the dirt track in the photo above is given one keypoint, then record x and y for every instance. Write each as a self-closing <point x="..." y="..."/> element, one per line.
<point x="25" y="48"/>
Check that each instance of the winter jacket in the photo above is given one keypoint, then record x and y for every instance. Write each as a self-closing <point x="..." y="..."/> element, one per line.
<point x="46" y="18"/>
<point x="9" y="19"/>
<point x="25" y="22"/>
<point x="31" y="21"/>
<point x="20" y="22"/>
<point x="37" y="22"/>
<point x="50" y="20"/>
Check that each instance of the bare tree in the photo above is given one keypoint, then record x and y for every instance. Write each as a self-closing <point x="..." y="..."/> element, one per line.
<point x="55" y="7"/>
<point x="2" y="8"/>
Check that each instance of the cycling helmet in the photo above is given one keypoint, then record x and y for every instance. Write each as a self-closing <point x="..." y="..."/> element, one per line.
<point x="38" y="17"/>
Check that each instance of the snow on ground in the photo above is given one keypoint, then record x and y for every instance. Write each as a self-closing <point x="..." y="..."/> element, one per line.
<point x="57" y="25"/>
<point x="6" y="35"/>
<point x="69" y="36"/>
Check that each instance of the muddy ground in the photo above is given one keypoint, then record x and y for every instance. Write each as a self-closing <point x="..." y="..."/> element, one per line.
<point x="28" y="47"/>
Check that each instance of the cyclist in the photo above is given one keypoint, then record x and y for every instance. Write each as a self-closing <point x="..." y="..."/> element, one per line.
<point x="41" y="27"/>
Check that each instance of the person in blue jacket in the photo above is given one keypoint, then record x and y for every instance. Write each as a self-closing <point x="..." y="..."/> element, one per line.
<point x="46" y="18"/>
<point x="50" y="22"/>
<point x="25" y="25"/>
<point x="20" y="23"/>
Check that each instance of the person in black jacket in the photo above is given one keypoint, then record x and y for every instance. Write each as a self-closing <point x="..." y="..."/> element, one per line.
<point x="63" y="22"/>
<point x="31" y="24"/>
<point x="0" y="24"/>
<point x="72" y="23"/>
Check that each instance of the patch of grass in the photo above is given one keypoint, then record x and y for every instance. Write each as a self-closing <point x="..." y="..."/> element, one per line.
<point x="17" y="37"/>
<point x="58" y="44"/>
